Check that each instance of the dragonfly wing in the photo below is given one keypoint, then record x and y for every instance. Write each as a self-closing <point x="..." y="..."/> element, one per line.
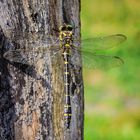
<point x="102" y="43"/>
<point x="22" y="56"/>
<point x="16" y="56"/>
<point x="91" y="60"/>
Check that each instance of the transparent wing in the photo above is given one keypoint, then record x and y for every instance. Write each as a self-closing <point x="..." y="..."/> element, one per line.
<point x="16" y="56"/>
<point x="21" y="56"/>
<point x="35" y="37"/>
<point x="102" y="43"/>
<point x="47" y="45"/>
<point x="91" y="60"/>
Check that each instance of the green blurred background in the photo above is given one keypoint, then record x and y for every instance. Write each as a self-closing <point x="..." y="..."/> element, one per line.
<point x="112" y="97"/>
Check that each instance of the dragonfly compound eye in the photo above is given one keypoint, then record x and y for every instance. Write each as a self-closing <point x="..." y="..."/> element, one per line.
<point x="63" y="28"/>
<point x="69" y="28"/>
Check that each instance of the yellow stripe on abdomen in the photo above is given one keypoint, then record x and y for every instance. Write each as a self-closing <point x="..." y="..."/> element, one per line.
<point x="67" y="114"/>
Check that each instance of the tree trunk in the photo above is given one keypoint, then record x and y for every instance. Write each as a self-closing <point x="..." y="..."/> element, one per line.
<point x="32" y="97"/>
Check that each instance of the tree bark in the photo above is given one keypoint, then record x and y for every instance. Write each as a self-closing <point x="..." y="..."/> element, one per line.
<point x="32" y="98"/>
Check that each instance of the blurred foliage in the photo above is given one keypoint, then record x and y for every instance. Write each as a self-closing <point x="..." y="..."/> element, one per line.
<point x="112" y="99"/>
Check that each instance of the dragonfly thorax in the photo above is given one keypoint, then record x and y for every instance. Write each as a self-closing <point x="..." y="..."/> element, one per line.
<point x="66" y="39"/>
<point x="65" y="35"/>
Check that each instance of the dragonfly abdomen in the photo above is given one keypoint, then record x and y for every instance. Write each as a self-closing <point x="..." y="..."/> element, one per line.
<point x="67" y="106"/>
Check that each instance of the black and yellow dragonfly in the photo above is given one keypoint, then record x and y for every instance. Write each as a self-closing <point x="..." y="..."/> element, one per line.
<point x="68" y="46"/>
<point x="88" y="51"/>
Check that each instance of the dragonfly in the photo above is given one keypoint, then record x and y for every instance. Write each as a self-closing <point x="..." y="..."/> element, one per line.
<point x="67" y="45"/>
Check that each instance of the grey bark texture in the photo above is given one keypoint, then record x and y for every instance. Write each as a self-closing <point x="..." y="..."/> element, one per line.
<point x="32" y="97"/>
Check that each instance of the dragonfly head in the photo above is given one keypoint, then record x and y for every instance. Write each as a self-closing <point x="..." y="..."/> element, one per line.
<point x="66" y="31"/>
